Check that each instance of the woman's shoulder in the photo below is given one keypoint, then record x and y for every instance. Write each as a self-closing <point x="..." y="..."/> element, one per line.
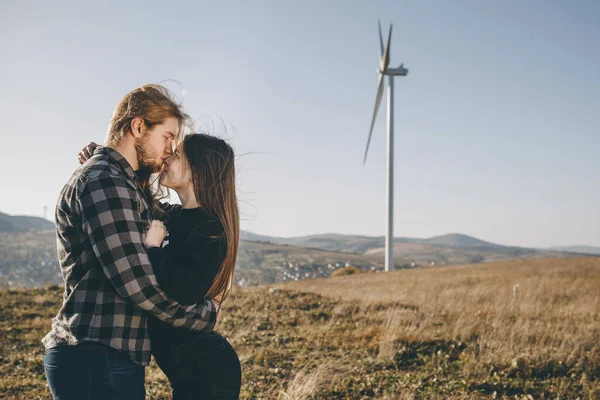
<point x="169" y="208"/>
<point x="209" y="226"/>
<point x="168" y="211"/>
<point x="208" y="229"/>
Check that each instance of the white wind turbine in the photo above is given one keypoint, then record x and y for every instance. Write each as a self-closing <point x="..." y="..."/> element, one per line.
<point x="390" y="72"/>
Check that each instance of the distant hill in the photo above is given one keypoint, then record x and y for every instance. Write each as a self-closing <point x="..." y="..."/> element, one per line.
<point x="447" y="249"/>
<point x="578" y="249"/>
<point x="28" y="259"/>
<point x="6" y="226"/>
<point x="454" y="242"/>
<point x="457" y="240"/>
<point x="364" y="244"/>
<point x="333" y="242"/>
<point x="16" y="223"/>
<point x="326" y="241"/>
<point x="253" y="237"/>
<point x="338" y="242"/>
<point x="28" y="254"/>
<point x="428" y="254"/>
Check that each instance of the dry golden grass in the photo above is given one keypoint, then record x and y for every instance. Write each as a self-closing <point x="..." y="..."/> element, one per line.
<point x="463" y="332"/>
<point x="524" y="319"/>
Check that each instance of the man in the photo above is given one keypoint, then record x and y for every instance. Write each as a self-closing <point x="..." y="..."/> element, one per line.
<point x="99" y="344"/>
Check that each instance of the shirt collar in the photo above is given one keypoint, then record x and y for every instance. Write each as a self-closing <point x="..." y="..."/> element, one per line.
<point x="117" y="158"/>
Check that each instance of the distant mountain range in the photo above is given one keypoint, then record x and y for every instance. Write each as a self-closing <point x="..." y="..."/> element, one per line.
<point x="334" y="241"/>
<point x="23" y="223"/>
<point x="28" y="254"/>
<point x="376" y="244"/>
<point x="362" y="244"/>
<point x="578" y="249"/>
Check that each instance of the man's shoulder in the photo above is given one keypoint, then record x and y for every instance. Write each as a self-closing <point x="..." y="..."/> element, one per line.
<point x="96" y="172"/>
<point x="99" y="166"/>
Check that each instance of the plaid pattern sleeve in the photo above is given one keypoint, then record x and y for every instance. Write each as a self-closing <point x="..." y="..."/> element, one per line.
<point x="112" y="221"/>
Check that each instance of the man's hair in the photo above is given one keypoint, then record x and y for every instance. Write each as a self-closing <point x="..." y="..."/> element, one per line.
<point x="153" y="103"/>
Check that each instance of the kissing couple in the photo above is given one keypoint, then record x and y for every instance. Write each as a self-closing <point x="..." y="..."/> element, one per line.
<point x="143" y="276"/>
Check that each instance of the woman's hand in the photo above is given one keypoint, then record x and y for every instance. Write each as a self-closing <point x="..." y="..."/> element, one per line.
<point x="155" y="234"/>
<point x="87" y="152"/>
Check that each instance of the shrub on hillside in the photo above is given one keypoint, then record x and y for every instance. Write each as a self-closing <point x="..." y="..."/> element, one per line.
<point x="347" y="271"/>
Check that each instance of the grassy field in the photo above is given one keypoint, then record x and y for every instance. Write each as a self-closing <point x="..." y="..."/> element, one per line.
<point x="518" y="330"/>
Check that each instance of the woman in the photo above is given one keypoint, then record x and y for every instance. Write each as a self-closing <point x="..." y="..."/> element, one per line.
<point x="195" y="260"/>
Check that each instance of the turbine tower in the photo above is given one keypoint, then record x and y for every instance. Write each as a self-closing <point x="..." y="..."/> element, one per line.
<point x="390" y="73"/>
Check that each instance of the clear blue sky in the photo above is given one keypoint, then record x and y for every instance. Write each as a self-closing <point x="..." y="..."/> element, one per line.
<point x="497" y="123"/>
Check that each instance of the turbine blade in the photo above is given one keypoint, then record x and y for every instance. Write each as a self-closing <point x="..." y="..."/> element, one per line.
<point x="386" y="56"/>
<point x="377" y="103"/>
<point x="380" y="38"/>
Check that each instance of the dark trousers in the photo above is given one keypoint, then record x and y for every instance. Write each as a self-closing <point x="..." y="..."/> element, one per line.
<point x="206" y="367"/>
<point x="90" y="371"/>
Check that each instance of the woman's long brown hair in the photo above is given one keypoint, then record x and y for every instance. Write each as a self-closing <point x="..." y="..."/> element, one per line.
<point x="213" y="174"/>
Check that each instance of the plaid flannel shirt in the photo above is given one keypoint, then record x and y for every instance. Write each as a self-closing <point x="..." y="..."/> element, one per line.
<point x="110" y="287"/>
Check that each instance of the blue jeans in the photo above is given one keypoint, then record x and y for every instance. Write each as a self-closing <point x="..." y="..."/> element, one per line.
<point x="90" y="371"/>
<point x="206" y="367"/>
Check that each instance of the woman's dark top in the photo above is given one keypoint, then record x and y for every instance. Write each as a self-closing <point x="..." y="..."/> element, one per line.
<point x="186" y="266"/>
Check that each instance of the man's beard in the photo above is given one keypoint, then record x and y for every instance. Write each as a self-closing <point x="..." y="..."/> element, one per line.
<point x="148" y="160"/>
